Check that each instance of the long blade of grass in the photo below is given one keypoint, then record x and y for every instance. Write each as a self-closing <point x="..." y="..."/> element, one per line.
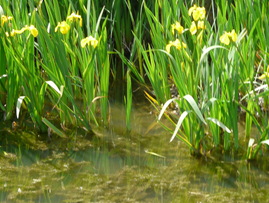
<point x="154" y="154"/>
<point x="195" y="107"/>
<point x="165" y="107"/>
<point x="208" y="49"/>
<point x="220" y="124"/>
<point x="99" y="19"/>
<point x="53" y="127"/>
<point x="129" y="99"/>
<point x="180" y="120"/>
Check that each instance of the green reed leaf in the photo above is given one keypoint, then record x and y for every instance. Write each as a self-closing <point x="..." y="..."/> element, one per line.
<point x="195" y="107"/>
<point x="154" y="154"/>
<point x="165" y="107"/>
<point x="53" y="127"/>
<point x="206" y="50"/>
<point x="220" y="124"/>
<point x="180" y="120"/>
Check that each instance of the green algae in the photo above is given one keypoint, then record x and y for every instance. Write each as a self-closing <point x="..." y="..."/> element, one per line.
<point x="114" y="166"/>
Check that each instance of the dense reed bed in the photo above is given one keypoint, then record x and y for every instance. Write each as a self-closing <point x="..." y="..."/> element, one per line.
<point x="203" y="64"/>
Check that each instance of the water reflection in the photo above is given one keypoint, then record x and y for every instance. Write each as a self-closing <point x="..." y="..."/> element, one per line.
<point x="121" y="166"/>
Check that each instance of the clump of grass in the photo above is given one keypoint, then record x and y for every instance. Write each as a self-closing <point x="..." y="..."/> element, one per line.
<point x="50" y="55"/>
<point x="58" y="58"/>
<point x="213" y="68"/>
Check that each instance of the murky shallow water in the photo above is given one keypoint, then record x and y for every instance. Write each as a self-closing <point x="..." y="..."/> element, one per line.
<point x="119" y="166"/>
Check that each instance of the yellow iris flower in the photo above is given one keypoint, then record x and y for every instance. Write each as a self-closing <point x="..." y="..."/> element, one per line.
<point x="31" y="28"/>
<point x="198" y="13"/>
<point x="265" y="75"/>
<point x="194" y="27"/>
<point x="178" y="27"/>
<point x="201" y="25"/>
<point x="5" y="19"/>
<point x="178" y="44"/>
<point x="91" y="41"/>
<point x="64" y="27"/>
<point x="227" y="37"/>
<point x="233" y="35"/>
<point x="74" y="17"/>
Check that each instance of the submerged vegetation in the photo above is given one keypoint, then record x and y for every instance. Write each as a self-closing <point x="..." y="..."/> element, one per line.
<point x="202" y="64"/>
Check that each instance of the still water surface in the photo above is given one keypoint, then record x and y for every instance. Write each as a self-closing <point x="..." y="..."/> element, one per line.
<point x="118" y="166"/>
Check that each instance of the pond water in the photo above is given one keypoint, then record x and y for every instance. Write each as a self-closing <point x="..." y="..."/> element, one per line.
<point x="119" y="166"/>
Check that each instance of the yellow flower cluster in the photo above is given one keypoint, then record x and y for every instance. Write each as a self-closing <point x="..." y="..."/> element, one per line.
<point x="74" y="17"/>
<point x="178" y="27"/>
<point x="5" y="19"/>
<point x="30" y="28"/>
<point x="91" y="41"/>
<point x="198" y="14"/>
<point x="64" y="26"/>
<point x="228" y="36"/>
<point x="178" y="44"/>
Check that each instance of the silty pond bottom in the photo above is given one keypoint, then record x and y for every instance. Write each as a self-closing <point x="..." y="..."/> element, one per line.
<point x="118" y="166"/>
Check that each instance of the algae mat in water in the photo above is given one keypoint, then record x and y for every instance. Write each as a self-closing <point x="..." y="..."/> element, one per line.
<point x="118" y="166"/>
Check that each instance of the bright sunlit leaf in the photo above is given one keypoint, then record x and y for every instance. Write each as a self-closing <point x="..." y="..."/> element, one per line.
<point x="265" y="142"/>
<point x="18" y="106"/>
<point x="180" y="120"/>
<point x="1" y="11"/>
<point x="154" y="154"/>
<point x="220" y="124"/>
<point x="251" y="142"/>
<point x="54" y="86"/>
<point x="195" y="107"/>
<point x="206" y="50"/>
<point x="165" y="107"/>
<point x="3" y="76"/>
